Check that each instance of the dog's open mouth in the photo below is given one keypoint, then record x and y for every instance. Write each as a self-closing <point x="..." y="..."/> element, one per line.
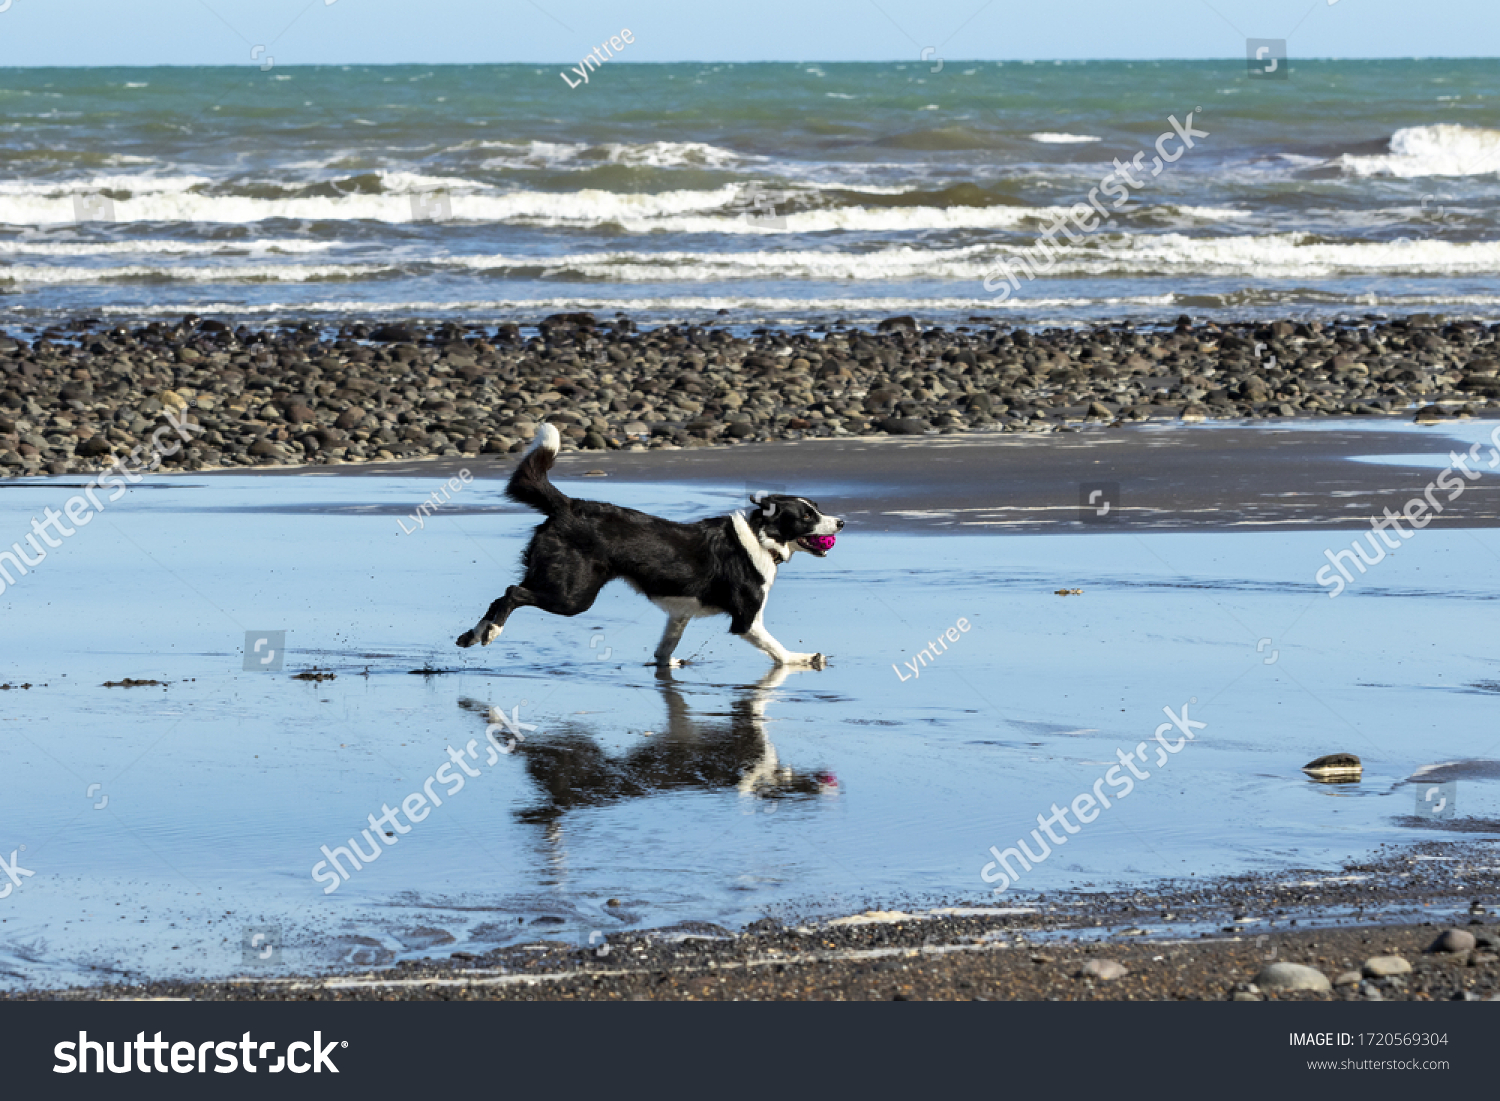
<point x="817" y="544"/>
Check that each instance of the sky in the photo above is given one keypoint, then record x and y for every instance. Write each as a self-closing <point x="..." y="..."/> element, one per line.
<point x="224" y="32"/>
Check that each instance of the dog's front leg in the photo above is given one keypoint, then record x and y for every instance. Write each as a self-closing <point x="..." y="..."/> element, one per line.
<point x="669" y="639"/>
<point x="761" y="639"/>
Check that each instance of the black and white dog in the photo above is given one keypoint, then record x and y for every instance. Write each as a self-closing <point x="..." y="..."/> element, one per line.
<point x="722" y="566"/>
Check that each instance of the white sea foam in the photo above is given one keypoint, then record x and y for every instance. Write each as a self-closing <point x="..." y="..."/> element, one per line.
<point x="136" y="185"/>
<point x="1296" y="255"/>
<point x="25" y="247"/>
<point x="1283" y="256"/>
<point x="1280" y="256"/>
<point x="1442" y="150"/>
<point x="675" y="154"/>
<point x="1049" y="138"/>
<point x="210" y="273"/>
<point x="587" y="207"/>
<point x="581" y="156"/>
<point x="684" y="305"/>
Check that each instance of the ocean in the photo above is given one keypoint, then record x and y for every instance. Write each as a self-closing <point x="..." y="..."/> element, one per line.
<point x="749" y="194"/>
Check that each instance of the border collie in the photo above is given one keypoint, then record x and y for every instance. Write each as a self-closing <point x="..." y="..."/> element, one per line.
<point x="721" y="566"/>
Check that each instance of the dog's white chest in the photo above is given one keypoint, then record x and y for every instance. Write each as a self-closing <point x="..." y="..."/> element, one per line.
<point x="763" y="560"/>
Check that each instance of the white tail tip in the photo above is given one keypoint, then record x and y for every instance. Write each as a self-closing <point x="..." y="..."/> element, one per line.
<point x="547" y="438"/>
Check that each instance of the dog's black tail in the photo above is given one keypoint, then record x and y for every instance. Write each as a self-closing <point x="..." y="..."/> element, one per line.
<point x="529" y="485"/>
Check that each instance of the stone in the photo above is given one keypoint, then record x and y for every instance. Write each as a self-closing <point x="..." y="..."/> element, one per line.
<point x="1379" y="967"/>
<point x="1104" y="970"/>
<point x="1282" y="975"/>
<point x="1453" y="940"/>
<point x="1335" y="767"/>
<point x="904" y="426"/>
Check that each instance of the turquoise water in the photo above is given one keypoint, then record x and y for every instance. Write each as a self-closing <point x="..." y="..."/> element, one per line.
<point x="777" y="192"/>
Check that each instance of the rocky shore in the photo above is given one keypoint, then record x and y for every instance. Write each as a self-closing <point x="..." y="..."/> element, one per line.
<point x="75" y="396"/>
<point x="1407" y="925"/>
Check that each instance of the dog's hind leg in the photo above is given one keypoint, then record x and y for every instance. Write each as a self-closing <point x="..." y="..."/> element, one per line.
<point x="676" y="624"/>
<point x="488" y="629"/>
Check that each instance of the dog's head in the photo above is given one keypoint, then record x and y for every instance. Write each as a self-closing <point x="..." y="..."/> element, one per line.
<point x="794" y="522"/>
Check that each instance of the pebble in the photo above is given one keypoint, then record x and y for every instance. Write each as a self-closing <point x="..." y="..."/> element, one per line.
<point x="1347" y="978"/>
<point x="1105" y="970"/>
<point x="1453" y="940"/>
<point x="1335" y="766"/>
<point x="1291" y="976"/>
<point x="1378" y="967"/>
<point x="80" y="392"/>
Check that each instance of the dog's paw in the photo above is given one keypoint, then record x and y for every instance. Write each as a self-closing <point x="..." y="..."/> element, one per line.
<point x="810" y="661"/>
<point x="483" y="633"/>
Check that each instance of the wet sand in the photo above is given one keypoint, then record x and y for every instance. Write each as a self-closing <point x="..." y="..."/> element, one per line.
<point x="1168" y="477"/>
<point x="875" y="792"/>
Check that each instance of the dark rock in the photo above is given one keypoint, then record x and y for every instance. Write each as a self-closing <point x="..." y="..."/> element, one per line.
<point x="1453" y="940"/>
<point x="267" y="449"/>
<point x="391" y="334"/>
<point x="1335" y="766"/>
<point x="904" y="426"/>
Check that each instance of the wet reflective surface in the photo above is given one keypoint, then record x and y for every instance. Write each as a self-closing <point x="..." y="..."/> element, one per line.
<point x="169" y="826"/>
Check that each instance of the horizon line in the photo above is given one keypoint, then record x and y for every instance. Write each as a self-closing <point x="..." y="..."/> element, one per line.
<point x="763" y="61"/>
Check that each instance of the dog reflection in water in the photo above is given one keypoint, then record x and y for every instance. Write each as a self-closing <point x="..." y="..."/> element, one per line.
<point x="711" y="751"/>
